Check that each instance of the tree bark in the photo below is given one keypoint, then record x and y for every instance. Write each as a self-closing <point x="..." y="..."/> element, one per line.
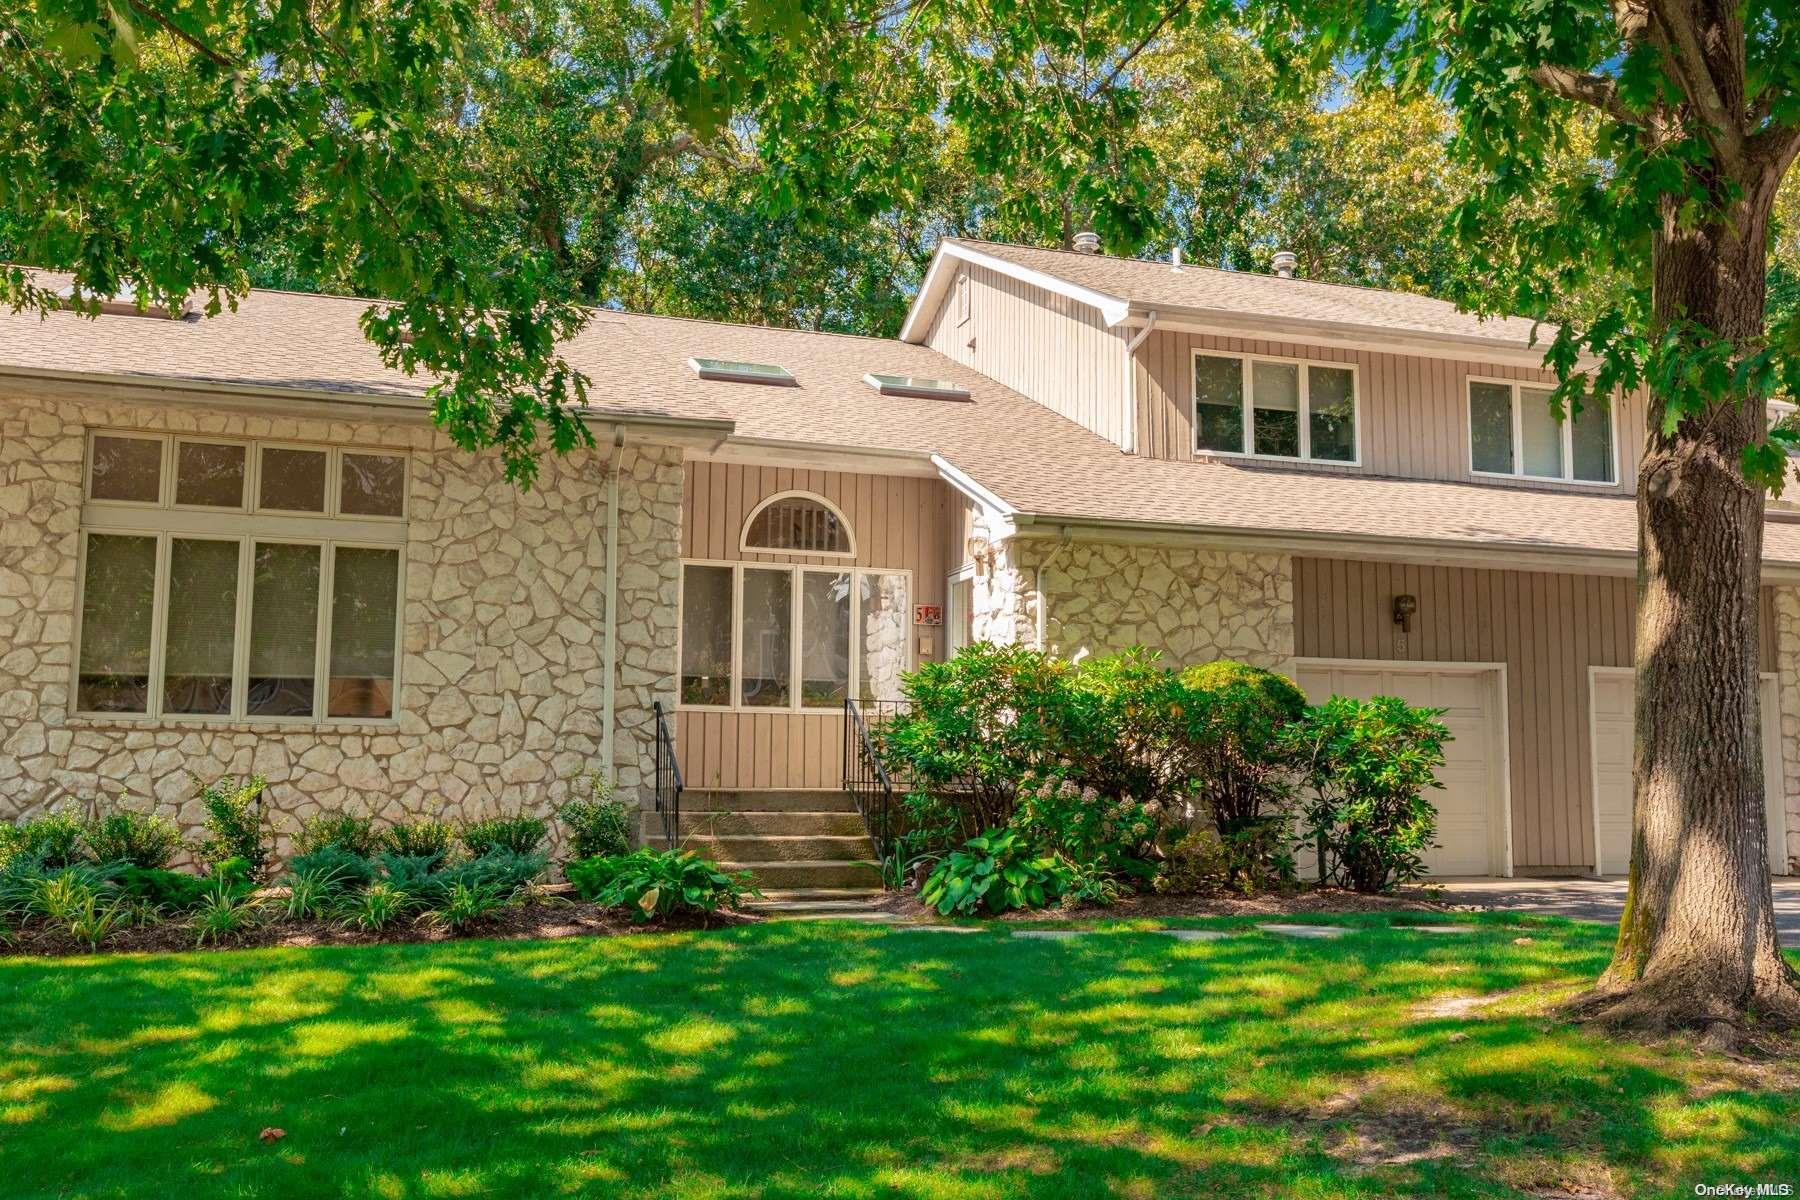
<point x="1697" y="945"/>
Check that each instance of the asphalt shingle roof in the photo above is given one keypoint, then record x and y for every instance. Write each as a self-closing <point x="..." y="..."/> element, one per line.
<point x="1034" y="460"/>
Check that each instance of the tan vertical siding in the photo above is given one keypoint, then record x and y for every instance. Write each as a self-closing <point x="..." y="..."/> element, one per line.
<point x="1547" y="628"/>
<point x="1048" y="347"/>
<point x="899" y="523"/>
<point x="1413" y="411"/>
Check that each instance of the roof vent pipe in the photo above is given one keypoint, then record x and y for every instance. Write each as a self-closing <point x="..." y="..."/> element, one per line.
<point x="1284" y="263"/>
<point x="1175" y="259"/>
<point x="1087" y="242"/>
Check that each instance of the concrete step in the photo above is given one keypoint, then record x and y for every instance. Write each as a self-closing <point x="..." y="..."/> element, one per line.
<point x="753" y="848"/>
<point x="819" y="895"/>
<point x="774" y="876"/>
<point x="764" y="824"/>
<point x="775" y="800"/>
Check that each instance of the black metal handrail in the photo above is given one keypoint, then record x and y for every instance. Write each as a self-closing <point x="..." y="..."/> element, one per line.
<point x="866" y="780"/>
<point x="668" y="778"/>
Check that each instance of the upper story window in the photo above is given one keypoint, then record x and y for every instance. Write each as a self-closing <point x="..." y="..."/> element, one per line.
<point x="1513" y="432"/>
<point x="798" y="523"/>
<point x="239" y="580"/>
<point x="1274" y="408"/>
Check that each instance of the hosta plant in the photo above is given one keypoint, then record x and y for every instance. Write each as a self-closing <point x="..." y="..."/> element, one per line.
<point x="656" y="883"/>
<point x="996" y="872"/>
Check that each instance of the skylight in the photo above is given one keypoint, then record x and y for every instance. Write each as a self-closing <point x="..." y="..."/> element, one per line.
<point x="916" y="385"/>
<point x="742" y="372"/>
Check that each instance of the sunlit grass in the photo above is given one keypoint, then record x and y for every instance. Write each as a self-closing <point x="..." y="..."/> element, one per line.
<point x="798" y="1060"/>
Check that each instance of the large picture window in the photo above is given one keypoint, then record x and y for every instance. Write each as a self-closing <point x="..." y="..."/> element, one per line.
<point x="236" y="580"/>
<point x="793" y="639"/>
<point x="1513" y="432"/>
<point x="1274" y="408"/>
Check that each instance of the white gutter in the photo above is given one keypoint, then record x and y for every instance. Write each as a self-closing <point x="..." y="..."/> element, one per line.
<point x="1037" y="586"/>
<point x="609" y="688"/>
<point x="1131" y="348"/>
<point x="963" y="483"/>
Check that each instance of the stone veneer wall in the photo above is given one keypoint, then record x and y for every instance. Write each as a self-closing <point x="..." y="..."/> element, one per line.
<point x="1787" y="665"/>
<point x="1192" y="605"/>
<point x="500" y="675"/>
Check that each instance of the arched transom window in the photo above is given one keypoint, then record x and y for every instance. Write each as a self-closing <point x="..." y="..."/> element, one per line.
<point x="798" y="523"/>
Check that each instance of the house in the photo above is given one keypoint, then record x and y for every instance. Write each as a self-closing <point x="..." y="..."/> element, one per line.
<point x="239" y="545"/>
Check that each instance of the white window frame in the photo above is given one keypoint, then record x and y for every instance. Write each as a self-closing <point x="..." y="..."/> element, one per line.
<point x="964" y="307"/>
<point x="1566" y="425"/>
<point x="744" y="546"/>
<point x="1247" y="362"/>
<point x="953" y="613"/>
<point x="166" y="522"/>
<point x="794" y="706"/>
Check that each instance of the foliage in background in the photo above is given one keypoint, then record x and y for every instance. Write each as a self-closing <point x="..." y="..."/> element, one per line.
<point x="653" y="884"/>
<point x="352" y="833"/>
<point x="1370" y="764"/>
<point x="417" y="839"/>
<point x="51" y="840"/>
<point x="598" y="823"/>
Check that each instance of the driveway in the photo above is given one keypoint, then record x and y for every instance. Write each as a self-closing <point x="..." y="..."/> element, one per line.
<point x="1599" y="900"/>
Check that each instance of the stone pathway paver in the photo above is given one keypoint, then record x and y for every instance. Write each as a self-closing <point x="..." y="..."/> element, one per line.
<point x="946" y="928"/>
<point x="1050" y="934"/>
<point x="1438" y="928"/>
<point x="1306" y="931"/>
<point x="1195" y="935"/>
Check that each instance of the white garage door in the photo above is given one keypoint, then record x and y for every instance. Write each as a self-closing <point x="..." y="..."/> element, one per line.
<point x="1471" y="818"/>
<point x="1612" y="692"/>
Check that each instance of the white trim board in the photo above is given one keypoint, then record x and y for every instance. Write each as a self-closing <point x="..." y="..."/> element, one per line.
<point x="1112" y="309"/>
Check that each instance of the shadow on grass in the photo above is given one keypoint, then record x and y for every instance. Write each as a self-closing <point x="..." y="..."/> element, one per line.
<point x="801" y="1059"/>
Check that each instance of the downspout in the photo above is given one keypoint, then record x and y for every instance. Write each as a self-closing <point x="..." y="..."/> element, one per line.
<point x="610" y="634"/>
<point x="1037" y="586"/>
<point x="1131" y="416"/>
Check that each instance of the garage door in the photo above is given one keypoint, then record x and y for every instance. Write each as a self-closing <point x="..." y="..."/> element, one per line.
<point x="1471" y="810"/>
<point x="1612" y="694"/>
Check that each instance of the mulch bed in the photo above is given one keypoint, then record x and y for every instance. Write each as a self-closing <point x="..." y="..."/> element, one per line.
<point x="1313" y="900"/>
<point x="557" y="919"/>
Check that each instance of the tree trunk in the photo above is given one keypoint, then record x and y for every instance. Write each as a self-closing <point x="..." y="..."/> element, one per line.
<point x="1697" y="945"/>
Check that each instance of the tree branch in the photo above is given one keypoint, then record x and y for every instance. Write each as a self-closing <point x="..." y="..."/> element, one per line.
<point x="1692" y="70"/>
<point x="175" y="31"/>
<point x="1583" y="88"/>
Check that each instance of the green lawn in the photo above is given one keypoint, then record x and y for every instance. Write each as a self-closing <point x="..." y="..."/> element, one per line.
<point x="791" y="1060"/>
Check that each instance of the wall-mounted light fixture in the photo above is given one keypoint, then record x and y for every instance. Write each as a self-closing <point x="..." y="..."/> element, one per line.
<point x="981" y="553"/>
<point x="1404" y="608"/>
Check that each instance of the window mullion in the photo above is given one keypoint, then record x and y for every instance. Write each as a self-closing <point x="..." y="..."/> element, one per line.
<point x="322" y="652"/>
<point x="737" y="632"/>
<point x="240" y="643"/>
<point x="1567" y="429"/>
<point x="853" y="688"/>
<point x="1518" y="432"/>
<point x="1249" y="419"/>
<point x="796" y="586"/>
<point x="1304" y="410"/>
<point x="159" y="625"/>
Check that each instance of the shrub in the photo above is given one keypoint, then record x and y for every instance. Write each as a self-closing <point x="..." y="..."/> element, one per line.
<point x="1196" y="864"/>
<point x="52" y="841"/>
<point x="234" y="824"/>
<point x="354" y="871"/>
<point x="599" y="825"/>
<point x="503" y="869"/>
<point x="340" y="831"/>
<point x="419" y="839"/>
<point x="375" y="908"/>
<point x="997" y="871"/>
<point x="1369" y="763"/>
<point x="1109" y="832"/>
<point x="91" y="918"/>
<point x="142" y="839"/>
<point x="519" y="835"/>
<point x="167" y="891"/>
<point x="415" y="874"/>
<point x="657" y="883"/>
